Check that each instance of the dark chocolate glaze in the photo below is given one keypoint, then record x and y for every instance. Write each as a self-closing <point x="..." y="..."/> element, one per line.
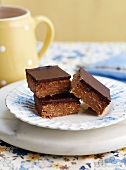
<point x="48" y="73"/>
<point x="58" y="98"/>
<point x="87" y="78"/>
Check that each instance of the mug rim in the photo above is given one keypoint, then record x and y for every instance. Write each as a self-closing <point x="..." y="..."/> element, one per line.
<point x="15" y="17"/>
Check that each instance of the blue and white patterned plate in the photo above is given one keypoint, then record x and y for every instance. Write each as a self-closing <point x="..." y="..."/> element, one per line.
<point x="20" y="103"/>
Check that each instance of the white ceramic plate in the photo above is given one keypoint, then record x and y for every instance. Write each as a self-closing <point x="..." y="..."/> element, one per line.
<point x="20" y="102"/>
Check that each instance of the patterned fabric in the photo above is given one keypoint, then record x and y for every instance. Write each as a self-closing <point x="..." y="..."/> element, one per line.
<point x="70" y="56"/>
<point x="13" y="158"/>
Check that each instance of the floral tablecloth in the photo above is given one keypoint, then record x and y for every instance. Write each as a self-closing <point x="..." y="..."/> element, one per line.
<point x="105" y="59"/>
<point x="13" y="158"/>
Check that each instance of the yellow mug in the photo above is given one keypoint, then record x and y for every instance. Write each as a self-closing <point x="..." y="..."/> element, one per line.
<point x="18" y="42"/>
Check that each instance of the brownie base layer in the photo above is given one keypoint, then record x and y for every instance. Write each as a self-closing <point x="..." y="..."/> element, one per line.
<point x="43" y="89"/>
<point x="53" y="108"/>
<point x="87" y="94"/>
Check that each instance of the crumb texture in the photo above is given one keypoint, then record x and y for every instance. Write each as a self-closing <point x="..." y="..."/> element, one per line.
<point x="56" y="109"/>
<point x="52" y="88"/>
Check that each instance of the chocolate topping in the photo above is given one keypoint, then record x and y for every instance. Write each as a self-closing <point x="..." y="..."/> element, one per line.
<point x="47" y="74"/>
<point x="64" y="97"/>
<point x="90" y="80"/>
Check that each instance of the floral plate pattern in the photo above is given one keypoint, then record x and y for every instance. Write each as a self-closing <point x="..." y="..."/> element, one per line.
<point x="21" y="103"/>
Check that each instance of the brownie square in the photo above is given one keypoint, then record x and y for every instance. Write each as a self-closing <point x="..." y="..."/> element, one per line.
<point x="48" y="81"/>
<point x="57" y="105"/>
<point x="90" y="91"/>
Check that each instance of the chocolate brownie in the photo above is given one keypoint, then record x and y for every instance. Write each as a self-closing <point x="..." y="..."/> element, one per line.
<point x="90" y="91"/>
<point x="48" y="81"/>
<point x="57" y="105"/>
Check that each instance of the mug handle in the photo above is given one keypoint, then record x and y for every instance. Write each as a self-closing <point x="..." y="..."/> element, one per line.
<point x="50" y="33"/>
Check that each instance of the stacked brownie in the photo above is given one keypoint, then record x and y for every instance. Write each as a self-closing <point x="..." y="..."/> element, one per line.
<point x="51" y="85"/>
<point x="55" y="95"/>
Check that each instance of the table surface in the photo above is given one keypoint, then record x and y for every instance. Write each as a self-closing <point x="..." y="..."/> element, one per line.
<point x="110" y="57"/>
